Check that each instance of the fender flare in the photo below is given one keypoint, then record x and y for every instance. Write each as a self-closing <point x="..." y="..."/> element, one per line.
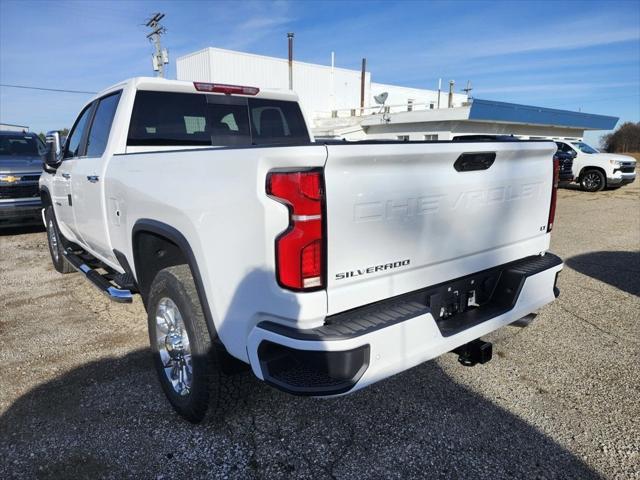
<point x="45" y="196"/>
<point x="172" y="234"/>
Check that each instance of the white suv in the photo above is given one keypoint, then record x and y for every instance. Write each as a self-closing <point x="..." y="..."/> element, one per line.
<point x="594" y="170"/>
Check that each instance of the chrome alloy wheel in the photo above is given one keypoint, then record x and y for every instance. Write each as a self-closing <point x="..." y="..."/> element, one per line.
<point x="592" y="180"/>
<point x="53" y="241"/>
<point x="173" y="345"/>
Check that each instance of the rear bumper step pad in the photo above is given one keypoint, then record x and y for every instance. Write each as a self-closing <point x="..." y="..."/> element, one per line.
<point x="506" y="283"/>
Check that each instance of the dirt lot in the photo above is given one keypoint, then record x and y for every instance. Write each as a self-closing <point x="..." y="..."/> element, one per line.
<point x="561" y="399"/>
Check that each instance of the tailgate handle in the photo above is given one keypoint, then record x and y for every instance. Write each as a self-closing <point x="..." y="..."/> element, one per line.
<point x="469" y="162"/>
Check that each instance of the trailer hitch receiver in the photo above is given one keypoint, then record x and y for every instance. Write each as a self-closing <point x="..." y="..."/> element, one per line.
<point x="474" y="352"/>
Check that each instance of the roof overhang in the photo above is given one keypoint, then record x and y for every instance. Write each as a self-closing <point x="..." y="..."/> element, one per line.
<point x="502" y="112"/>
<point x="489" y="111"/>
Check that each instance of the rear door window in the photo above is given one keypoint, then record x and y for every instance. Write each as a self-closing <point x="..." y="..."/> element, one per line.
<point x="101" y="125"/>
<point x="563" y="147"/>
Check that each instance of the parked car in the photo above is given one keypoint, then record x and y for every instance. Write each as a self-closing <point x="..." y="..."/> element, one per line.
<point x="325" y="267"/>
<point x="594" y="170"/>
<point x="565" y="163"/>
<point x="21" y="156"/>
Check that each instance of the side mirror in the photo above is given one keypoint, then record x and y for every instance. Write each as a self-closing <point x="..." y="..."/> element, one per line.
<point x="53" y="155"/>
<point x="573" y="154"/>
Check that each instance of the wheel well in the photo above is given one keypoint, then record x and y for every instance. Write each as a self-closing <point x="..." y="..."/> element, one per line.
<point x="152" y="253"/>
<point x="586" y="169"/>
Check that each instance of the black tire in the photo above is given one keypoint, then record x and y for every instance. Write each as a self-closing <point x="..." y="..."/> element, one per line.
<point x="593" y="181"/>
<point x="176" y="284"/>
<point x="56" y="248"/>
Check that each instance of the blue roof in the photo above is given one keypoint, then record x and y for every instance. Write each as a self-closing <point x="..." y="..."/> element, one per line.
<point x="515" y="113"/>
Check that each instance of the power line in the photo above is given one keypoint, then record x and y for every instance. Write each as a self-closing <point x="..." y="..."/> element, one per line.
<point x="43" y="88"/>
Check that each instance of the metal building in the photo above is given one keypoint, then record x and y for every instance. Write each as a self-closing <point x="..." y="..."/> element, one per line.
<point x="324" y="91"/>
<point x="331" y="99"/>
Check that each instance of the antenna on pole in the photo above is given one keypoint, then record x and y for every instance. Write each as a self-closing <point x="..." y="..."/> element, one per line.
<point x="161" y="56"/>
<point x="468" y="89"/>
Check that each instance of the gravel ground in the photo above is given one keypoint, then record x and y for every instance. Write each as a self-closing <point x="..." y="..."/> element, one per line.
<point x="561" y="398"/>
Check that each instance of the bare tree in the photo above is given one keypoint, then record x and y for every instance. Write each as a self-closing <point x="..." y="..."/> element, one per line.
<point x="625" y="139"/>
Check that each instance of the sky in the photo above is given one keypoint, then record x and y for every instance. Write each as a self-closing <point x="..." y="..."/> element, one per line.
<point x="575" y="55"/>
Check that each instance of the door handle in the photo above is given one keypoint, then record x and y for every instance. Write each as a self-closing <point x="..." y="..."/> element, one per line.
<point x="66" y="176"/>
<point x="93" y="178"/>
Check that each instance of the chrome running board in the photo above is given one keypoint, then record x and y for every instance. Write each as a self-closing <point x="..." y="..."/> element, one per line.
<point x="112" y="291"/>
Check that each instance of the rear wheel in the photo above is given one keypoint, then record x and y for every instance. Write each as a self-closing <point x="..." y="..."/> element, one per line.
<point x="593" y="181"/>
<point x="56" y="249"/>
<point x="180" y="343"/>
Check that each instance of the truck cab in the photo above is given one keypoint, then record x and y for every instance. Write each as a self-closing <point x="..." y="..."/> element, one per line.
<point x="595" y="170"/>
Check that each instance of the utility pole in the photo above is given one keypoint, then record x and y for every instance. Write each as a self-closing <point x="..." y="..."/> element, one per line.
<point x="468" y="89"/>
<point x="160" y="57"/>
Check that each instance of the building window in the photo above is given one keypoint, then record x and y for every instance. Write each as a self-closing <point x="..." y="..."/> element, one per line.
<point x="431" y="136"/>
<point x="404" y="138"/>
<point x="410" y="103"/>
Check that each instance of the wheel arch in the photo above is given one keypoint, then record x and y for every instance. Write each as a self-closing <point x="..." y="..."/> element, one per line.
<point x="586" y="169"/>
<point x="156" y="245"/>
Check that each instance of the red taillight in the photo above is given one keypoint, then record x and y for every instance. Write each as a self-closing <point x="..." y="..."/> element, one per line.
<point x="300" y="249"/>
<point x="554" y="193"/>
<point x="227" y="89"/>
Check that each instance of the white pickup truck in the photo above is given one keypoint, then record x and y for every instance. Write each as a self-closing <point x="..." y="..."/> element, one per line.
<point x="595" y="170"/>
<point x="325" y="267"/>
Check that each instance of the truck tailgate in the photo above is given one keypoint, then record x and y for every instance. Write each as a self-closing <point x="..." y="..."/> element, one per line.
<point x="401" y="217"/>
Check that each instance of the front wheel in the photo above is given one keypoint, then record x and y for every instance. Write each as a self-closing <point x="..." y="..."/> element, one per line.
<point x="56" y="249"/>
<point x="593" y="181"/>
<point x="180" y="343"/>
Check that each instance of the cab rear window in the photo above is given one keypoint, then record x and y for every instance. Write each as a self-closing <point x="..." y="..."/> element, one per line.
<point x="174" y="119"/>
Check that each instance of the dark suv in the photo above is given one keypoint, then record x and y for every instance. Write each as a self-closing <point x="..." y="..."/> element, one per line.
<point x="20" y="168"/>
<point x="566" y="165"/>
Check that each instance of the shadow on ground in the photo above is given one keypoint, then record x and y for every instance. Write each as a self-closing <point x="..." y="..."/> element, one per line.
<point x="10" y="231"/>
<point x="618" y="269"/>
<point x="570" y="186"/>
<point x="110" y="419"/>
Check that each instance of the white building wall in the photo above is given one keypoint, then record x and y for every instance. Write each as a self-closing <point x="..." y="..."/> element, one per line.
<point x="194" y="66"/>
<point x="320" y="88"/>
